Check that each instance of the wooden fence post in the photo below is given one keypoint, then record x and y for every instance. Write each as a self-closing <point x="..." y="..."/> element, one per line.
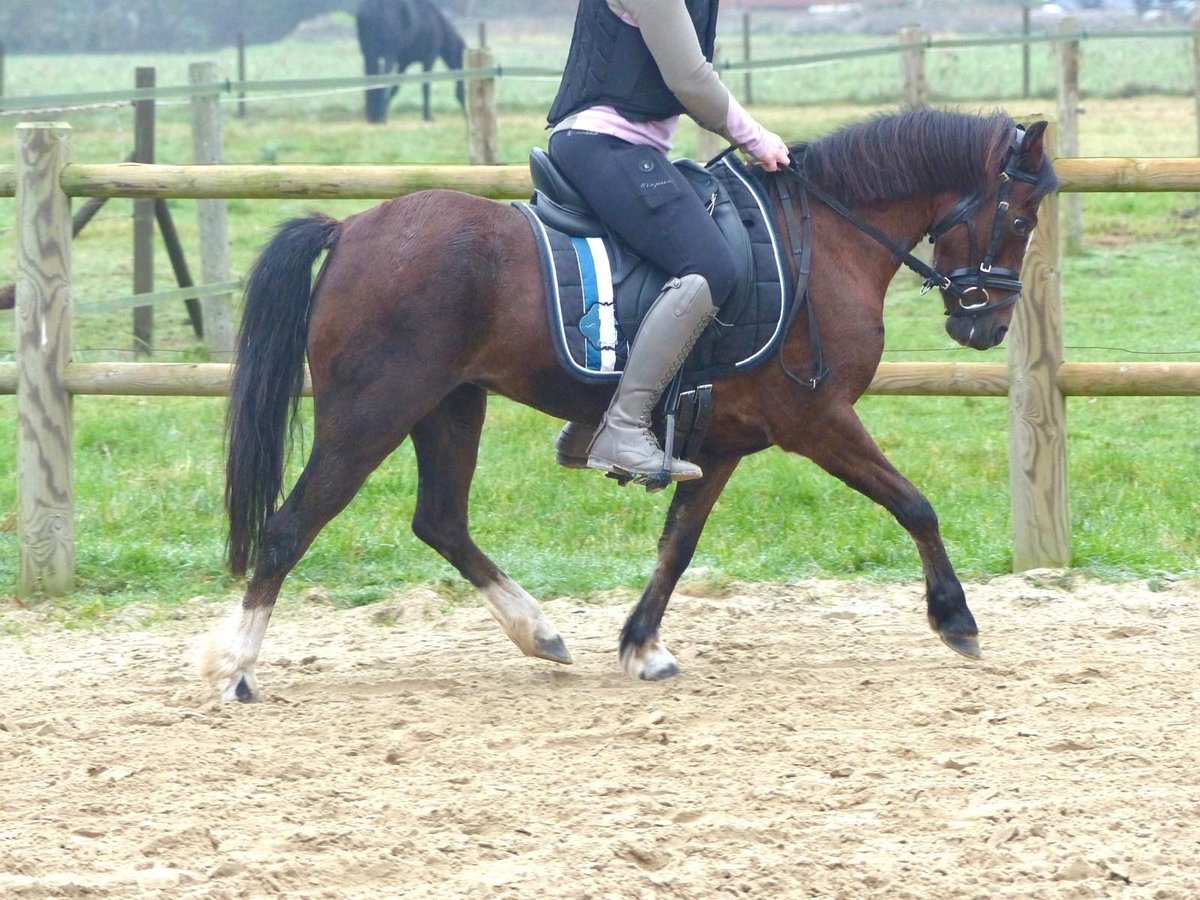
<point x="1025" y="70"/>
<point x="213" y="215"/>
<point x="1037" y="418"/>
<point x="747" y="79"/>
<point x="912" y="66"/>
<point x="1196" y="75"/>
<point x="241" y="70"/>
<point x="143" y="218"/>
<point x="45" y="478"/>
<point x="1068" y="129"/>
<point x="183" y="275"/>
<point x="481" y="110"/>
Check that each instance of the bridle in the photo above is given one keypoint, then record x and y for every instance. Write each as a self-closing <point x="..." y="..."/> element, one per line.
<point x="962" y="285"/>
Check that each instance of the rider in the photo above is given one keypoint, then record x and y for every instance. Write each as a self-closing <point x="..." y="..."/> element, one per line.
<point x="633" y="67"/>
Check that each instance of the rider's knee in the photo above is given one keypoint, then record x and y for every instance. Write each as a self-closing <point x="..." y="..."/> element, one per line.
<point x="719" y="271"/>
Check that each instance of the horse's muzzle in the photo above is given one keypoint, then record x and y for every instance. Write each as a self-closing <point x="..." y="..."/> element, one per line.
<point x="976" y="332"/>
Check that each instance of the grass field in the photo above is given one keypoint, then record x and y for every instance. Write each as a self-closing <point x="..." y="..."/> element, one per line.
<point x="149" y="519"/>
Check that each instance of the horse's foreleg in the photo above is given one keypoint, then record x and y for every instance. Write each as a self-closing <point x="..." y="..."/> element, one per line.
<point x="846" y="451"/>
<point x="643" y="654"/>
<point x="447" y="444"/>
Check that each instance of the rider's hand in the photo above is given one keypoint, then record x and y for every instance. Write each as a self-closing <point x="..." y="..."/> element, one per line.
<point x="770" y="150"/>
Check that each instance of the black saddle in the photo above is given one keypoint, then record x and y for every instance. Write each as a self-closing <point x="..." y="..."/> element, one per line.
<point x="585" y="315"/>
<point x="556" y="201"/>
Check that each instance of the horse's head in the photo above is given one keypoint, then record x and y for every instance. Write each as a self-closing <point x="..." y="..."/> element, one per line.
<point x="980" y="241"/>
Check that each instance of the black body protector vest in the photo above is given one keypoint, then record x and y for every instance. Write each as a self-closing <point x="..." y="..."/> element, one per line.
<point x="609" y="64"/>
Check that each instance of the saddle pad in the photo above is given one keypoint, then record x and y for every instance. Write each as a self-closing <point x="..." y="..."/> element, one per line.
<point x="598" y="291"/>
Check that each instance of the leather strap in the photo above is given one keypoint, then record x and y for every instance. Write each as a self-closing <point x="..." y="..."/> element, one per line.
<point x="800" y="237"/>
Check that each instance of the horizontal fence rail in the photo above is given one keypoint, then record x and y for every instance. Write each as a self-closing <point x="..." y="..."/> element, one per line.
<point x="894" y="379"/>
<point x="369" y="182"/>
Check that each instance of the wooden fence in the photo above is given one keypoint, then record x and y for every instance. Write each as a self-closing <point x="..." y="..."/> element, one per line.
<point x="1035" y="377"/>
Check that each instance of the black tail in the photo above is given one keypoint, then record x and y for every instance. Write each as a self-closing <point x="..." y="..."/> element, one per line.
<point x="268" y="378"/>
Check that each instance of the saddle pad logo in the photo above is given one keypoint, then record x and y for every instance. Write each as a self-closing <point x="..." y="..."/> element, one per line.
<point x="598" y="324"/>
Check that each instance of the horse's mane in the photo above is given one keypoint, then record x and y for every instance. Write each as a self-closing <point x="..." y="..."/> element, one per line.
<point x="894" y="156"/>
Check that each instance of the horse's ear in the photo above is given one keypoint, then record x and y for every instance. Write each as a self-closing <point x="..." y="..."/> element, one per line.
<point x="1032" y="152"/>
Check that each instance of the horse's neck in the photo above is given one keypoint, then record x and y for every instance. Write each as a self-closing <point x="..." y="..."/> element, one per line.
<point x="902" y="224"/>
<point x="904" y="221"/>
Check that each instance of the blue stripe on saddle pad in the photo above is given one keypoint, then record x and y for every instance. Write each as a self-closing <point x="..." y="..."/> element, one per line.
<point x="598" y="324"/>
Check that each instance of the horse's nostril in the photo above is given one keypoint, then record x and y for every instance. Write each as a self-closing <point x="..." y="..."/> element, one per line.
<point x="1000" y="333"/>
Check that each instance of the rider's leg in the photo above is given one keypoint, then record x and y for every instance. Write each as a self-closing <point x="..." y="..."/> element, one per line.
<point x="644" y="200"/>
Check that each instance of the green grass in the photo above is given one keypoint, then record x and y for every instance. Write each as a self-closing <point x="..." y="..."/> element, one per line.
<point x="149" y="520"/>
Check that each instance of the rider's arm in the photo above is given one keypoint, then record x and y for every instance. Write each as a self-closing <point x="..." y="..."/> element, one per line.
<point x="671" y="38"/>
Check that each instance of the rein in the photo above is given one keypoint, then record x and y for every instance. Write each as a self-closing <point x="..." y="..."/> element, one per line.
<point x="959" y="283"/>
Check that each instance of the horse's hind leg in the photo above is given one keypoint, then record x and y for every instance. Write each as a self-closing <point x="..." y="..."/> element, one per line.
<point x="329" y="481"/>
<point x="340" y="461"/>
<point x="846" y="451"/>
<point x="447" y="443"/>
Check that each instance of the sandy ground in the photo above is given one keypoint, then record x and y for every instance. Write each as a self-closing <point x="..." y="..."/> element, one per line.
<point x="820" y="743"/>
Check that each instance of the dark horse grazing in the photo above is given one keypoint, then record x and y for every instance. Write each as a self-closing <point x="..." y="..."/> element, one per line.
<point x="394" y="34"/>
<point x="428" y="302"/>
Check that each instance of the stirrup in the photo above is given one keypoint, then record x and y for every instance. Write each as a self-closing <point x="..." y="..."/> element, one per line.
<point x="653" y="483"/>
<point x="631" y="453"/>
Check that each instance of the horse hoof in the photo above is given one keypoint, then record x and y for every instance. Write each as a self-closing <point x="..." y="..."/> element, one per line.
<point x="653" y="662"/>
<point x="242" y="689"/>
<point x="965" y="644"/>
<point x="552" y="649"/>
<point x="659" y="673"/>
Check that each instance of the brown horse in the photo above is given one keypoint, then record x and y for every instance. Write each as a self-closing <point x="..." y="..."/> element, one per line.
<point x="426" y="303"/>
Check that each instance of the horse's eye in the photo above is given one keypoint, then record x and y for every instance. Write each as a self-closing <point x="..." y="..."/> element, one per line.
<point x="1022" y="226"/>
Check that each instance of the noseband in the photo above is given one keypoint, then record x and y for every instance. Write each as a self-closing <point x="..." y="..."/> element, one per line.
<point x="968" y="286"/>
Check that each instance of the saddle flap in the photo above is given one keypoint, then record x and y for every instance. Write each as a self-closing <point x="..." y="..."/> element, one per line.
<point x="565" y="219"/>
